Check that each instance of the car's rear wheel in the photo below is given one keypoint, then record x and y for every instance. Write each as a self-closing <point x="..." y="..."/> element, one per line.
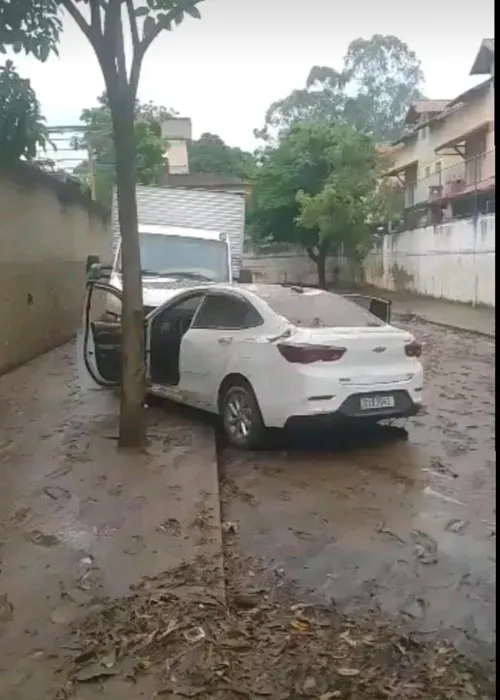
<point x="241" y="416"/>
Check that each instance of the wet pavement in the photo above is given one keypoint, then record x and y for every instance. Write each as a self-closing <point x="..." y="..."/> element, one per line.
<point x="453" y="314"/>
<point x="375" y="520"/>
<point x="81" y="521"/>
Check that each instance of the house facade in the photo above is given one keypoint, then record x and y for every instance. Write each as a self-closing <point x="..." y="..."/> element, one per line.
<point x="445" y="164"/>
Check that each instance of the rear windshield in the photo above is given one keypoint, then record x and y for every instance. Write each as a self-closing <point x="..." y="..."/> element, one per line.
<point x="315" y="308"/>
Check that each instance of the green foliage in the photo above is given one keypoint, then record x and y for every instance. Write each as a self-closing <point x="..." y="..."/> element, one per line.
<point x="150" y="146"/>
<point x="22" y="126"/>
<point x="318" y="189"/>
<point x="378" y="78"/>
<point x="388" y="76"/>
<point x="210" y="154"/>
<point x="322" y="99"/>
<point x="32" y="26"/>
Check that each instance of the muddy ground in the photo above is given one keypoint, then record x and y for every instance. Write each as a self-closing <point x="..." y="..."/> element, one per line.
<point x="378" y="521"/>
<point x="399" y="535"/>
<point x="81" y="522"/>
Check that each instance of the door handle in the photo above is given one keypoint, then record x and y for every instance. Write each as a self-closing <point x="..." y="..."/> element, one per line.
<point x="225" y="341"/>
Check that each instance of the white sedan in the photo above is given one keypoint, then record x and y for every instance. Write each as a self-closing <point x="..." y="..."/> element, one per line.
<point x="267" y="356"/>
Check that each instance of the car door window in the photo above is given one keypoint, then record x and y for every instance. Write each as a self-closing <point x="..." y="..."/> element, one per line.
<point x="178" y="316"/>
<point x="105" y="304"/>
<point x="225" y="312"/>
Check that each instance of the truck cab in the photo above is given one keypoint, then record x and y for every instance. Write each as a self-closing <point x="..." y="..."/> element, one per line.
<point x="173" y="255"/>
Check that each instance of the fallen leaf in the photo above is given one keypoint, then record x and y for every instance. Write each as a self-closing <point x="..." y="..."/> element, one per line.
<point x="194" y="635"/>
<point x="6" y="609"/>
<point x="348" y="671"/>
<point x="94" y="673"/>
<point x="109" y="660"/>
<point x="456" y="526"/>
<point x="309" y="684"/>
<point x="300" y="626"/>
<point x="346" y="638"/>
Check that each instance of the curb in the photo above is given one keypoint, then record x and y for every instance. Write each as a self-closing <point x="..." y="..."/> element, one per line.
<point x="449" y="326"/>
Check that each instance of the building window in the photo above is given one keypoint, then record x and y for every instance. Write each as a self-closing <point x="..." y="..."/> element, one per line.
<point x="424" y="132"/>
<point x="427" y="171"/>
<point x="437" y="166"/>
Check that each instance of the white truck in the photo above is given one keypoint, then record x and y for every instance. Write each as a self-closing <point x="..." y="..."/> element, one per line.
<point x="184" y="235"/>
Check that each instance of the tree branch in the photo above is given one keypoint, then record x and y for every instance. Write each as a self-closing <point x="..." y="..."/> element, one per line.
<point x="95" y="17"/>
<point x="112" y="56"/>
<point x="135" y="70"/>
<point x="121" y="65"/>
<point x="113" y="11"/>
<point x="133" y="25"/>
<point x="146" y="42"/>
<point x="79" y="19"/>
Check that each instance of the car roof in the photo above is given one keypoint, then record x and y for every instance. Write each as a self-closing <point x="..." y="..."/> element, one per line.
<point x="267" y="291"/>
<point x="311" y="307"/>
<point x="302" y="306"/>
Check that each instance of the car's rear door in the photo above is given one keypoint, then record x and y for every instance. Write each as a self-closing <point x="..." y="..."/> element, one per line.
<point x="223" y="320"/>
<point x="102" y="333"/>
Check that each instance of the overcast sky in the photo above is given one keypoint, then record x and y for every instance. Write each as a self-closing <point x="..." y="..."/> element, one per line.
<point x="225" y="70"/>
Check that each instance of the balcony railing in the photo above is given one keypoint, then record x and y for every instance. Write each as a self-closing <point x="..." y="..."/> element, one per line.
<point x="464" y="176"/>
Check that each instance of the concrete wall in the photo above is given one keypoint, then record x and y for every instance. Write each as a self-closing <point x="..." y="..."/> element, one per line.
<point x="47" y="230"/>
<point x="295" y="267"/>
<point x="454" y="261"/>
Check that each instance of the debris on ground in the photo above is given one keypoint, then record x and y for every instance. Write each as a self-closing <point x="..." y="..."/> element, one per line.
<point x="200" y="646"/>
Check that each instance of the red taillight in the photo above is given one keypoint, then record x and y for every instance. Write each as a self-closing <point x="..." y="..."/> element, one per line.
<point x="413" y="349"/>
<point x="306" y="354"/>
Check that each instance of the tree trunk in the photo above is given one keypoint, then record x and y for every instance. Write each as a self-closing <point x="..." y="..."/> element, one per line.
<point x="321" y="265"/>
<point x="131" y="431"/>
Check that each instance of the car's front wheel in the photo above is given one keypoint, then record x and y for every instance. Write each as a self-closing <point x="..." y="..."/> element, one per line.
<point x="241" y="416"/>
<point x="153" y="401"/>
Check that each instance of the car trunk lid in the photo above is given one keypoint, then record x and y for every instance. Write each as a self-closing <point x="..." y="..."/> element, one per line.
<point x="370" y="355"/>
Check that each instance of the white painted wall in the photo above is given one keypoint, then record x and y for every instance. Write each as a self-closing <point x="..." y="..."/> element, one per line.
<point x="294" y="267"/>
<point x="454" y="261"/>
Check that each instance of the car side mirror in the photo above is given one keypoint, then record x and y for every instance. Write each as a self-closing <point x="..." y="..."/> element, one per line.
<point x="90" y="262"/>
<point x="94" y="273"/>
<point x="97" y="272"/>
<point x="246" y="276"/>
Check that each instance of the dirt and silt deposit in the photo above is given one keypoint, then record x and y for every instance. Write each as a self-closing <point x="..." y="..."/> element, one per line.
<point x="180" y="641"/>
<point x="81" y="524"/>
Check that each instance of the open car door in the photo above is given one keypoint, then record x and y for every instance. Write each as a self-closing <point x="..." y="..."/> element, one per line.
<point x="102" y="333"/>
<point x="381" y="308"/>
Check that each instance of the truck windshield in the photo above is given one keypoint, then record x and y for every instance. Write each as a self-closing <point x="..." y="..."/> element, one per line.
<point x="178" y="255"/>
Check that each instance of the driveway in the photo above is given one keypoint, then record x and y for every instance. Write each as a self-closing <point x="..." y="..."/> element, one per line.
<point x="407" y="526"/>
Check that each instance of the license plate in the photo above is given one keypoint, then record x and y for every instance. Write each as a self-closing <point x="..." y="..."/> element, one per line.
<point x="372" y="403"/>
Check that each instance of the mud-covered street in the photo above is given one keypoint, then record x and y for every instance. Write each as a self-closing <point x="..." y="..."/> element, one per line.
<point x="380" y="521"/>
<point x="385" y="528"/>
<point x="81" y="522"/>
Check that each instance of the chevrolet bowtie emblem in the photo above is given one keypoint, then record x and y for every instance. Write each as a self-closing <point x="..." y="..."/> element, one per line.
<point x="379" y="349"/>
